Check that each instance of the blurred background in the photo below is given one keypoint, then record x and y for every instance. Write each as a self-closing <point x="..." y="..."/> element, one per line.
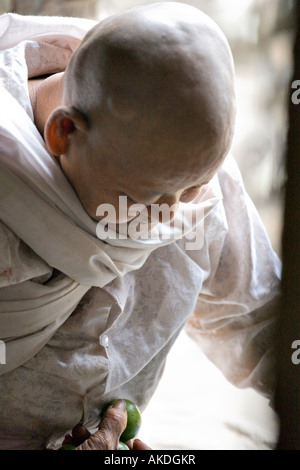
<point x="194" y="406"/>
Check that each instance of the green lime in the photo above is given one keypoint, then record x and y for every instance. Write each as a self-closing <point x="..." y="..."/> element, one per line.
<point x="134" y="419"/>
<point x="122" y="446"/>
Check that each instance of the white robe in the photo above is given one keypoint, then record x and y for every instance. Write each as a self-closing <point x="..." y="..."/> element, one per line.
<point x="129" y="299"/>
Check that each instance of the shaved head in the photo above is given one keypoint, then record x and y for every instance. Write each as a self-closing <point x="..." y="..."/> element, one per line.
<point x="156" y="80"/>
<point x="147" y="108"/>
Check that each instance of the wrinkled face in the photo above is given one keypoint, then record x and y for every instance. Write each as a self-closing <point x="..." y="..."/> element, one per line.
<point x="141" y="178"/>
<point x="158" y="94"/>
<point x="157" y="149"/>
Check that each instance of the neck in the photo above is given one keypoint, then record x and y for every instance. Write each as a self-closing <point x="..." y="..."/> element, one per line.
<point x="45" y="96"/>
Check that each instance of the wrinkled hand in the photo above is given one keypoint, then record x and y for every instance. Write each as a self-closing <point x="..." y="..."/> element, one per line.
<point x="112" y="425"/>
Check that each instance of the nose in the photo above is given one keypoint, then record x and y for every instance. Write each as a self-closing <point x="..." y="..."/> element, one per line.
<point x="168" y="203"/>
<point x="185" y="195"/>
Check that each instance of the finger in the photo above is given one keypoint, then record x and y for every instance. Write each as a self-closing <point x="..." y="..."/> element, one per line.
<point x="79" y="434"/>
<point x="139" y="445"/>
<point x="111" y="427"/>
<point x="67" y="440"/>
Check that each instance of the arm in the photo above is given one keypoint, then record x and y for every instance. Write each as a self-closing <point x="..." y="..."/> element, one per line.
<point x="235" y="314"/>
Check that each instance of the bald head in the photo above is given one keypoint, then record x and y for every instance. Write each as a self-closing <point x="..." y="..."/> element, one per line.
<point x="156" y="80"/>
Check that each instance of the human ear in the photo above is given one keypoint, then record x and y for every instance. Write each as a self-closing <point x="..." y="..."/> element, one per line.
<point x="60" y="125"/>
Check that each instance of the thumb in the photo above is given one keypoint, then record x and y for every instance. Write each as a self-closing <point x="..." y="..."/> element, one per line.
<point x="113" y="423"/>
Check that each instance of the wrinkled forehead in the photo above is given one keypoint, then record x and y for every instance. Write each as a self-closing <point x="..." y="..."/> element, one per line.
<point x="157" y="163"/>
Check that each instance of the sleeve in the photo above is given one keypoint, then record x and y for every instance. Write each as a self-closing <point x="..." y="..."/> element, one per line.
<point x="235" y="315"/>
